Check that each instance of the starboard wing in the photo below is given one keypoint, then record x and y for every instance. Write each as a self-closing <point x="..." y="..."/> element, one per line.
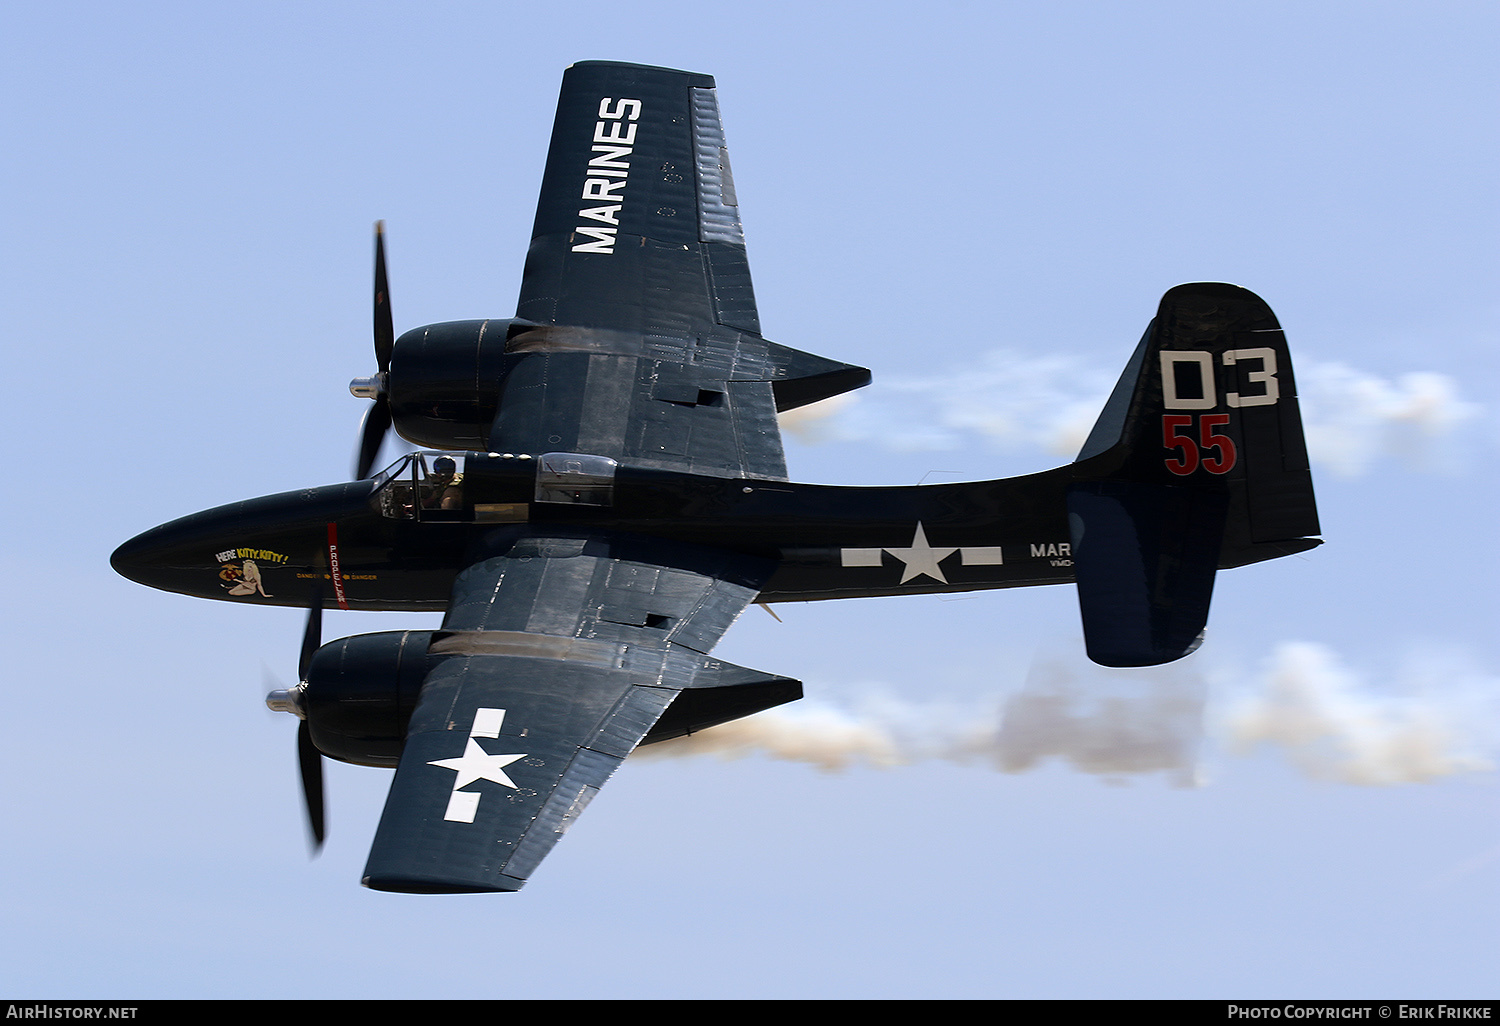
<point x="638" y="336"/>
<point x="557" y="657"/>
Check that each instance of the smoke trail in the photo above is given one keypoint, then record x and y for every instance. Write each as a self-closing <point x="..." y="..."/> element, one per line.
<point x="822" y="735"/>
<point x="1351" y="418"/>
<point x="1139" y="723"/>
<point x="1006" y="399"/>
<point x="1112" y="728"/>
<point x="1117" y="725"/>
<point x="1333" y="726"/>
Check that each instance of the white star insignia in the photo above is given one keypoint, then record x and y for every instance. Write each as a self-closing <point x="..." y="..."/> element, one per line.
<point x="476" y="764"/>
<point x="922" y="559"/>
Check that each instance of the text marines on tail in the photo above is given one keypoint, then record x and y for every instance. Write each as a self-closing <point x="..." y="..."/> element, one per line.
<point x="606" y="491"/>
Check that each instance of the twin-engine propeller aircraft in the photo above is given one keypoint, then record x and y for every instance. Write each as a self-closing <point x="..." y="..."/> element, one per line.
<point x="608" y="493"/>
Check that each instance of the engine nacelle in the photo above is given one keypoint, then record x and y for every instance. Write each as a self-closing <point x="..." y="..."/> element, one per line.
<point x="361" y="690"/>
<point x="444" y="382"/>
<point x="360" y="693"/>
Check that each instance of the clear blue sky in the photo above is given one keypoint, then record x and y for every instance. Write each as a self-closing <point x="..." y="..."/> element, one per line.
<point x="980" y="202"/>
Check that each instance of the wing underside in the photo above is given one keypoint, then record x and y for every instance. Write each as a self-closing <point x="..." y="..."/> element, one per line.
<point x="639" y="336"/>
<point x="558" y="656"/>
<point x="637" y="226"/>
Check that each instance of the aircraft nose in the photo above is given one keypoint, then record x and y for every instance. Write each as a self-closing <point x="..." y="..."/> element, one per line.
<point x="256" y="550"/>
<point x="183" y="556"/>
<point x="135" y="559"/>
<point x="171" y="557"/>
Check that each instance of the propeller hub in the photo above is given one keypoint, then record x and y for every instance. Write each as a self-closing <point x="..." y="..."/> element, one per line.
<point x="287" y="700"/>
<point x="372" y="387"/>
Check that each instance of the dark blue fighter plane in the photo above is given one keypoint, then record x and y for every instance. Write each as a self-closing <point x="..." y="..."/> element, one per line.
<point x="607" y="492"/>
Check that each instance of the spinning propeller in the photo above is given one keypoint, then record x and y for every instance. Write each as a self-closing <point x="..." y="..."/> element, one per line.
<point x="309" y="759"/>
<point x="372" y="434"/>
<point x="378" y="420"/>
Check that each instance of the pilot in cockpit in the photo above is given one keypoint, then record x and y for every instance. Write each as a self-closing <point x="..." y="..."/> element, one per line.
<point x="443" y="486"/>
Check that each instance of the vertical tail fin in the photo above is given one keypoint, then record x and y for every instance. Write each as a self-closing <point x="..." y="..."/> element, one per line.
<point x="1200" y="463"/>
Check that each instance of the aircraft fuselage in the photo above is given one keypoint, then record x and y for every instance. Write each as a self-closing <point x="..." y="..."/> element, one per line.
<point x="365" y="550"/>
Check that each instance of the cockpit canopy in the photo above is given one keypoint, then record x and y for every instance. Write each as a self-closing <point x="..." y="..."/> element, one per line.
<point x="575" y="478"/>
<point x="490" y="487"/>
<point x="423" y="485"/>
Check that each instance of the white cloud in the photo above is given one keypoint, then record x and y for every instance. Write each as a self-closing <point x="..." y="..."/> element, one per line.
<point x="1352" y="418"/>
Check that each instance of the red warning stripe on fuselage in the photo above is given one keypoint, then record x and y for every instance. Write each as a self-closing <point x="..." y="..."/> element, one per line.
<point x="333" y="566"/>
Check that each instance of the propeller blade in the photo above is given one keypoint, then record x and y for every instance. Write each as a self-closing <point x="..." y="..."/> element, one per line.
<point x="309" y="759"/>
<point x="312" y="636"/>
<point x="378" y="420"/>
<point x="377" y="423"/>
<point x="311" y="762"/>
<point x="385" y="330"/>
